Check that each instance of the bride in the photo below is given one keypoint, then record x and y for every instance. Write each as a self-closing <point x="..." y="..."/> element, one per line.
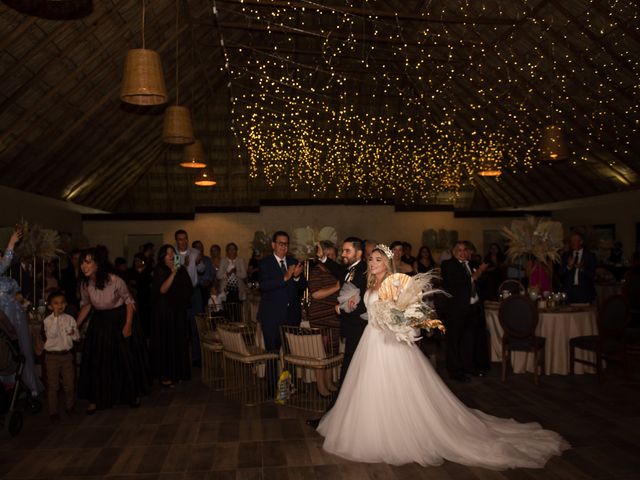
<point x="394" y="408"/>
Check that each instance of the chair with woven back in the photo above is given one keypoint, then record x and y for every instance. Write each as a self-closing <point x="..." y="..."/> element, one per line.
<point x="211" y="353"/>
<point x="518" y="316"/>
<point x="311" y="357"/>
<point x="246" y="363"/>
<point x="611" y="341"/>
<point x="235" y="311"/>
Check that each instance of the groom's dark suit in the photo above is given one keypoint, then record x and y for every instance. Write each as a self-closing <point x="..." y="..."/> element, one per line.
<point x="351" y="324"/>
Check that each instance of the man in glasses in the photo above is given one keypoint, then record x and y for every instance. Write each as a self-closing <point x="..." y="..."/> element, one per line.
<point x="281" y="285"/>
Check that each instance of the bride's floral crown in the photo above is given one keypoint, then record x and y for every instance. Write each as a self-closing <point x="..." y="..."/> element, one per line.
<point x="386" y="250"/>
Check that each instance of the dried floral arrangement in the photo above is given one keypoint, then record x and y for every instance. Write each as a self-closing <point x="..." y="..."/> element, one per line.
<point x="538" y="238"/>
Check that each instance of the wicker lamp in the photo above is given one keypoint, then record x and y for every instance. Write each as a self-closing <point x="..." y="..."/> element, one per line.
<point x="495" y="172"/>
<point x="193" y="156"/>
<point x="178" y="129"/>
<point x="204" y="180"/>
<point x="552" y="144"/>
<point x="143" y="80"/>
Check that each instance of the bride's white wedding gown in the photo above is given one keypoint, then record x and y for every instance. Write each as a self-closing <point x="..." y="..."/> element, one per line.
<point x="394" y="408"/>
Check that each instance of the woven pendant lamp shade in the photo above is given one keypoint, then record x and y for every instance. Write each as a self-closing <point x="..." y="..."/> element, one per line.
<point x="193" y="156"/>
<point x="490" y="172"/>
<point x="143" y="80"/>
<point x="552" y="144"/>
<point x="205" y="181"/>
<point x="178" y="129"/>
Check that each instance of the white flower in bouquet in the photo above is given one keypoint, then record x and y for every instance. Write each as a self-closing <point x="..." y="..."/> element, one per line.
<point x="401" y="308"/>
<point x="415" y="311"/>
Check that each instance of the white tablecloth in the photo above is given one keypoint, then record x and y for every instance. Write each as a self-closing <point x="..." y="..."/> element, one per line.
<point x="557" y="328"/>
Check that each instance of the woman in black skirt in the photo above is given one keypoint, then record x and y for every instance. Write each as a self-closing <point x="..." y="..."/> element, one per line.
<point x="171" y="298"/>
<point x="113" y="368"/>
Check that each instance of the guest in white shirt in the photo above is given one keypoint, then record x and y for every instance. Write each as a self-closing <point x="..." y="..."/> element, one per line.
<point x="189" y="259"/>
<point x="60" y="331"/>
<point x="233" y="274"/>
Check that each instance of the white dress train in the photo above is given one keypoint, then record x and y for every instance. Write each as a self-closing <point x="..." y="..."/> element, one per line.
<point x="394" y="408"/>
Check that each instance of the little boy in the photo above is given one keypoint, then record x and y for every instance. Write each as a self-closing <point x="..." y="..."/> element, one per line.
<point x="60" y="331"/>
<point x="216" y="298"/>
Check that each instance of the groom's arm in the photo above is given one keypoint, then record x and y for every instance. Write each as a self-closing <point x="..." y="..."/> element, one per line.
<point x="338" y="271"/>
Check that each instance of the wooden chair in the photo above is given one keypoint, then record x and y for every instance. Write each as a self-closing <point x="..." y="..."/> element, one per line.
<point x="311" y="357"/>
<point x="211" y="353"/>
<point x="612" y="338"/>
<point x="518" y="317"/>
<point x="248" y="367"/>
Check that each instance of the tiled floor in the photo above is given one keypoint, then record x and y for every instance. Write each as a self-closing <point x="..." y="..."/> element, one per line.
<point x="193" y="433"/>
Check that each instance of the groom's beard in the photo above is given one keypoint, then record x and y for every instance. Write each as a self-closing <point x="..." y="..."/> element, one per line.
<point x="348" y="262"/>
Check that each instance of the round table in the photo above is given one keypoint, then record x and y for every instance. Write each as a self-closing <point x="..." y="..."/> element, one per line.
<point x="557" y="326"/>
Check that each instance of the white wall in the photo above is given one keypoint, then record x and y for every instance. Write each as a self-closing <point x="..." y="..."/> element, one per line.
<point x="620" y="209"/>
<point x="378" y="222"/>
<point x="45" y="211"/>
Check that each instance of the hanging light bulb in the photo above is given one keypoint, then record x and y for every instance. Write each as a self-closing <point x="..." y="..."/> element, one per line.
<point x="204" y="180"/>
<point x="193" y="156"/>
<point x="143" y="80"/>
<point x="552" y="144"/>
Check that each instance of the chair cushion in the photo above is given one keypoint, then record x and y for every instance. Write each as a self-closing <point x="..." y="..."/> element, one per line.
<point x="526" y="344"/>
<point x="586" y="342"/>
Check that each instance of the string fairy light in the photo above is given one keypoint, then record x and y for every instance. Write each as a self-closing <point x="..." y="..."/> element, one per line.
<point x="410" y="107"/>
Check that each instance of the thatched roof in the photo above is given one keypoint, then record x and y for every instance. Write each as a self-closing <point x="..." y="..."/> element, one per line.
<point x="455" y="75"/>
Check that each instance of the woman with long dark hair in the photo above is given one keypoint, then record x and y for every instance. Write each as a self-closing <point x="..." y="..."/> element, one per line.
<point x="171" y="291"/>
<point x="114" y="364"/>
<point x="424" y="261"/>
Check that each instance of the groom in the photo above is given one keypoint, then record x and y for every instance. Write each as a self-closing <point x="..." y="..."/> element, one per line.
<point x="354" y="270"/>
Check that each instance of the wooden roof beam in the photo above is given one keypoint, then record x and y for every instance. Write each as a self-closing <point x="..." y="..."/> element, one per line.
<point x="614" y="55"/>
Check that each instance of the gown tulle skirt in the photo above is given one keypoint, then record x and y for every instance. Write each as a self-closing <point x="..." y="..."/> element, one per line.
<point x="113" y="369"/>
<point x="394" y="408"/>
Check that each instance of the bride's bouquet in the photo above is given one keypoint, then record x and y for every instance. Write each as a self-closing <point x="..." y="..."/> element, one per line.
<point x="401" y="307"/>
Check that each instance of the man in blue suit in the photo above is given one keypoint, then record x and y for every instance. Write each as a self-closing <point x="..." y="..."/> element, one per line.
<point x="281" y="284"/>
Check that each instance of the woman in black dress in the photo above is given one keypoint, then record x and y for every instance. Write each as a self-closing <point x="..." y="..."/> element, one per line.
<point x="171" y="298"/>
<point x="114" y="360"/>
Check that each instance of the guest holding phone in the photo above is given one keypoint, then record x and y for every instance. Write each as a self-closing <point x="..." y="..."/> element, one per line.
<point x="171" y="298"/>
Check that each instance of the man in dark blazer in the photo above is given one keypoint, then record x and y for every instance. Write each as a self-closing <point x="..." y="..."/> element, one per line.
<point x="354" y="270"/>
<point x="281" y="284"/>
<point x="578" y="271"/>
<point x="460" y="311"/>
